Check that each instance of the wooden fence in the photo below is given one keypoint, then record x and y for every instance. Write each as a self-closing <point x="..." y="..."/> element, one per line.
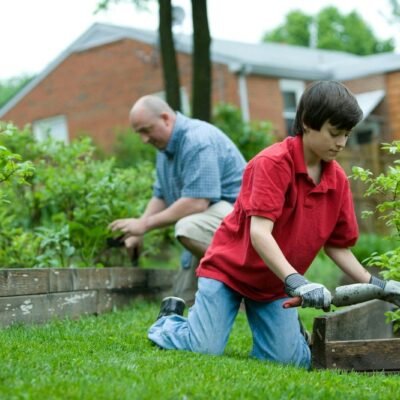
<point x="369" y="156"/>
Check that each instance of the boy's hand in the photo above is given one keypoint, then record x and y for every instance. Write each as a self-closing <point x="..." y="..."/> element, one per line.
<point x="313" y="294"/>
<point x="391" y="289"/>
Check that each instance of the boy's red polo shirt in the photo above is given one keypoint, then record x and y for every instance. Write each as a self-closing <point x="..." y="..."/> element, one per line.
<point x="306" y="217"/>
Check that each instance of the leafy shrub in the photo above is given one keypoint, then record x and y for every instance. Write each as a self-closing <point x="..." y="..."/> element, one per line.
<point x="250" y="137"/>
<point x="65" y="210"/>
<point x="387" y="186"/>
<point x="12" y="168"/>
<point x="369" y="244"/>
<point x="129" y="150"/>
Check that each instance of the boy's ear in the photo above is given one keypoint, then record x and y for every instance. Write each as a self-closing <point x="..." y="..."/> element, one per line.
<point x="305" y="128"/>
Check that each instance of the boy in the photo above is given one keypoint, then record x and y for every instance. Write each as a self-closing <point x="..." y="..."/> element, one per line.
<point x="295" y="199"/>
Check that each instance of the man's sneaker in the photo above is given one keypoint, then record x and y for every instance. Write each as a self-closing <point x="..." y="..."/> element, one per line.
<point x="171" y="305"/>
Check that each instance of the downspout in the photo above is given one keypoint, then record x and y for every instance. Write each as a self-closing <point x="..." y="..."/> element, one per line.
<point x="243" y="96"/>
<point x="241" y="71"/>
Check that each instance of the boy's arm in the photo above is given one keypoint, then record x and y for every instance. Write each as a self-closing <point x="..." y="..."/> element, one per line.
<point x="267" y="248"/>
<point x="312" y="294"/>
<point x="348" y="263"/>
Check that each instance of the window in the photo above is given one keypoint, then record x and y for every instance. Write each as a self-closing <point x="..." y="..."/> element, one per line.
<point x="366" y="132"/>
<point x="291" y="93"/>
<point x="54" y="127"/>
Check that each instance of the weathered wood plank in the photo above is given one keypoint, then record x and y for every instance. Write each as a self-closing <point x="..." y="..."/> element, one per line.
<point x="126" y="278"/>
<point x="160" y="279"/>
<point x="20" y="281"/>
<point x="114" y="299"/>
<point x="364" y="355"/>
<point x="40" y="308"/>
<point x="355" y="338"/>
<point x="361" y="321"/>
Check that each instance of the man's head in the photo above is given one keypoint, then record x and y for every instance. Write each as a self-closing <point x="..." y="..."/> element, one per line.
<point x="327" y="101"/>
<point x="153" y="119"/>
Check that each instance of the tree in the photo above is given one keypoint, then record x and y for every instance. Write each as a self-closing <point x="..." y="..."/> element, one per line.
<point x="201" y="78"/>
<point x="201" y="61"/>
<point x="168" y="55"/>
<point x="335" y="31"/>
<point x="9" y="87"/>
<point x="167" y="47"/>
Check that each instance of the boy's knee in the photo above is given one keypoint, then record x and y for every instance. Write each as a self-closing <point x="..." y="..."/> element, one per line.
<point x="210" y="347"/>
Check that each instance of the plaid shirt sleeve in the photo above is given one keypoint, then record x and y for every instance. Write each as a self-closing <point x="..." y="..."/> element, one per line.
<point x="201" y="177"/>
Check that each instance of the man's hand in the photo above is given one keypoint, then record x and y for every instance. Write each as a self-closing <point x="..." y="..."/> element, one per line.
<point x="391" y="289"/>
<point x="313" y="294"/>
<point x="129" y="226"/>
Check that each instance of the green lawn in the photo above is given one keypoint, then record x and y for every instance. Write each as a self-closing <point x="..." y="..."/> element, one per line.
<point x="109" y="357"/>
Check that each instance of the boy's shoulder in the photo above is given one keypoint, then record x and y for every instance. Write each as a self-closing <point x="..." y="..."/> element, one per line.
<point x="280" y="151"/>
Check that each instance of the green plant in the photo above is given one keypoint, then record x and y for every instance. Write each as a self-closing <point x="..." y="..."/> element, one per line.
<point x="369" y="244"/>
<point x="249" y="137"/>
<point x="386" y="186"/>
<point x="129" y="150"/>
<point x="12" y="168"/>
<point x="71" y="199"/>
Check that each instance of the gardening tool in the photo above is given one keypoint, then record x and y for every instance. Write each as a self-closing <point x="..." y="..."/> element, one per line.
<point x="347" y="295"/>
<point x="119" y="242"/>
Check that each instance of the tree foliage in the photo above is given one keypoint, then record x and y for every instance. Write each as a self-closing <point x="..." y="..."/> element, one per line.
<point x="9" y="87"/>
<point x="334" y="30"/>
<point x="249" y="137"/>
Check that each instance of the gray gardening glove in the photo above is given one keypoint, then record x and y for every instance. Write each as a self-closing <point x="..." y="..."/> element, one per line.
<point x="313" y="294"/>
<point x="391" y="289"/>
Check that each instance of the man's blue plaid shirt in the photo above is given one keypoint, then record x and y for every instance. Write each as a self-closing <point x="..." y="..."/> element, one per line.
<point x="199" y="162"/>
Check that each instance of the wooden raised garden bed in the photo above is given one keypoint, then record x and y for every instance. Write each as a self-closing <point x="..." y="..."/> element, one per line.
<point x="39" y="295"/>
<point x="356" y="339"/>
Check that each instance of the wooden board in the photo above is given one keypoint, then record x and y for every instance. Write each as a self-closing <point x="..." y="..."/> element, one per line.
<point x="44" y="307"/>
<point x="364" y="355"/>
<point x="19" y="281"/>
<point x="356" y="338"/>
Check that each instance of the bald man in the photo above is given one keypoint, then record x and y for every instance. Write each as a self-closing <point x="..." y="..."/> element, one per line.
<point x="199" y="173"/>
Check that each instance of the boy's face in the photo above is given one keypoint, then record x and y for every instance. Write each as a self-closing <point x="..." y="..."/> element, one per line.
<point x="326" y="143"/>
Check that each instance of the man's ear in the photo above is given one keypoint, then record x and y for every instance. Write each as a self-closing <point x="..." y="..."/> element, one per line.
<point x="165" y="117"/>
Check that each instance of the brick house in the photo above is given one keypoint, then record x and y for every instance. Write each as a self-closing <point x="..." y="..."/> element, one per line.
<point x="91" y="86"/>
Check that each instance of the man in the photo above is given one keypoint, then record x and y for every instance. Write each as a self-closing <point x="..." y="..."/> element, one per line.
<point x="199" y="173"/>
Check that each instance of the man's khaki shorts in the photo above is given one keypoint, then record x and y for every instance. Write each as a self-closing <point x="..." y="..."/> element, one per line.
<point x="202" y="226"/>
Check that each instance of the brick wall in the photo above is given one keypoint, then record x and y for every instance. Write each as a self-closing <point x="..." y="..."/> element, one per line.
<point x="95" y="89"/>
<point x="266" y="102"/>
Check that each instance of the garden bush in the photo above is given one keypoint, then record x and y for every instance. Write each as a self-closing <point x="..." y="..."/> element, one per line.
<point x="249" y="137"/>
<point x="60" y="219"/>
<point x="386" y="186"/>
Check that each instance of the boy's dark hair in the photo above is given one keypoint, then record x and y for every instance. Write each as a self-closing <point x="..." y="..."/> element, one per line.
<point x="327" y="101"/>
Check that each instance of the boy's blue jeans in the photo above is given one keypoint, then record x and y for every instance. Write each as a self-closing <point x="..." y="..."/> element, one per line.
<point x="276" y="331"/>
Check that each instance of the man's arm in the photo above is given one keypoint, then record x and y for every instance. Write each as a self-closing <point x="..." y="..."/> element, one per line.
<point x="157" y="217"/>
<point x="348" y="263"/>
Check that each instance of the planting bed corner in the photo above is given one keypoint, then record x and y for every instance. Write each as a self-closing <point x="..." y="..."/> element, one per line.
<point x="356" y="339"/>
